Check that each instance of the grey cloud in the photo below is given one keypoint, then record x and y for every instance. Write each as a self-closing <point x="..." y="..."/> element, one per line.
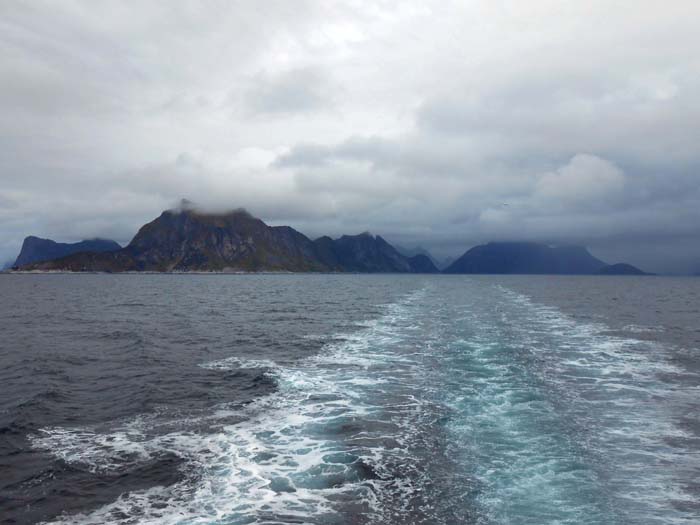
<point x="412" y="155"/>
<point x="376" y="149"/>
<point x="294" y="91"/>
<point x="553" y="119"/>
<point x="7" y="203"/>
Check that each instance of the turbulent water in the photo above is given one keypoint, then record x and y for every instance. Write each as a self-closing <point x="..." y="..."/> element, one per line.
<point x="332" y="399"/>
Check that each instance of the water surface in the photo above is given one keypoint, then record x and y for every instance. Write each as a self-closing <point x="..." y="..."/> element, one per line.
<point x="349" y="399"/>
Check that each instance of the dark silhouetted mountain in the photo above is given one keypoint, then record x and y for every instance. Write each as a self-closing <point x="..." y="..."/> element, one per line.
<point x="526" y="258"/>
<point x="367" y="253"/>
<point x="422" y="264"/>
<point x="36" y="250"/>
<point x="621" y="269"/>
<point x="416" y="250"/>
<point x="446" y="262"/>
<point x="186" y="239"/>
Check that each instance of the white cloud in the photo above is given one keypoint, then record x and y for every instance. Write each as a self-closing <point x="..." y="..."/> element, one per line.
<point x="586" y="181"/>
<point x="295" y="91"/>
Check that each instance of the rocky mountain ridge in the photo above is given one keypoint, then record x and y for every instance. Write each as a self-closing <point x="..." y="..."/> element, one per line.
<point x="186" y="239"/>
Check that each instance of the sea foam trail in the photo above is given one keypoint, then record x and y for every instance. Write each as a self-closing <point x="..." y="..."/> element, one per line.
<point x="338" y="439"/>
<point x="464" y="402"/>
<point x="570" y="424"/>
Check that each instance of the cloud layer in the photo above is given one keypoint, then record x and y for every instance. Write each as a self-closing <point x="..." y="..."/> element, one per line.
<point x="443" y="124"/>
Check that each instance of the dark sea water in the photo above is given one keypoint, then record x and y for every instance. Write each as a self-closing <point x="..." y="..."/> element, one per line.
<point x="349" y="399"/>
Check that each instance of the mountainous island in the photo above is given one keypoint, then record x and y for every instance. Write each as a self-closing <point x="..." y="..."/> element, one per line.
<point x="535" y="258"/>
<point x="35" y="249"/>
<point x="187" y="239"/>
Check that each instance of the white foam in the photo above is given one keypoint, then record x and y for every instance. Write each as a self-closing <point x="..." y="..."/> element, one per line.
<point x="236" y="362"/>
<point x="98" y="452"/>
<point x="543" y="410"/>
<point x="641" y="329"/>
<point x="628" y="415"/>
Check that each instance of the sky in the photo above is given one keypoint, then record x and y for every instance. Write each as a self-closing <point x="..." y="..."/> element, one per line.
<point x="441" y="124"/>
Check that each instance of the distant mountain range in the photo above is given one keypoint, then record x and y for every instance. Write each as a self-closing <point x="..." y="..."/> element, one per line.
<point x="186" y="239"/>
<point x="534" y="258"/>
<point x="35" y="249"/>
<point x="189" y="240"/>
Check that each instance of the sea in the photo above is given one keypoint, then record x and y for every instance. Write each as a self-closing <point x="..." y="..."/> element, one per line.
<point x="349" y="399"/>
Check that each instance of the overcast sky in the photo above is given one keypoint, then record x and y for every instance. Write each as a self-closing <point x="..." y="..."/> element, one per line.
<point x="443" y="124"/>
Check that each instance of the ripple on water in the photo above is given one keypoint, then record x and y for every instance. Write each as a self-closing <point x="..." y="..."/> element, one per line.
<point x="338" y="438"/>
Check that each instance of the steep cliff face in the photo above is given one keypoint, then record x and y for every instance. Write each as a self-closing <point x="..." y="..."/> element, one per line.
<point x="35" y="249"/>
<point x="189" y="240"/>
<point x="526" y="258"/>
<point x="364" y="253"/>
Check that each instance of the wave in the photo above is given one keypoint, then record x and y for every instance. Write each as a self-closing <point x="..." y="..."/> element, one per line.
<point x="619" y="402"/>
<point x="320" y="448"/>
<point x="458" y="404"/>
<point x="236" y="363"/>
